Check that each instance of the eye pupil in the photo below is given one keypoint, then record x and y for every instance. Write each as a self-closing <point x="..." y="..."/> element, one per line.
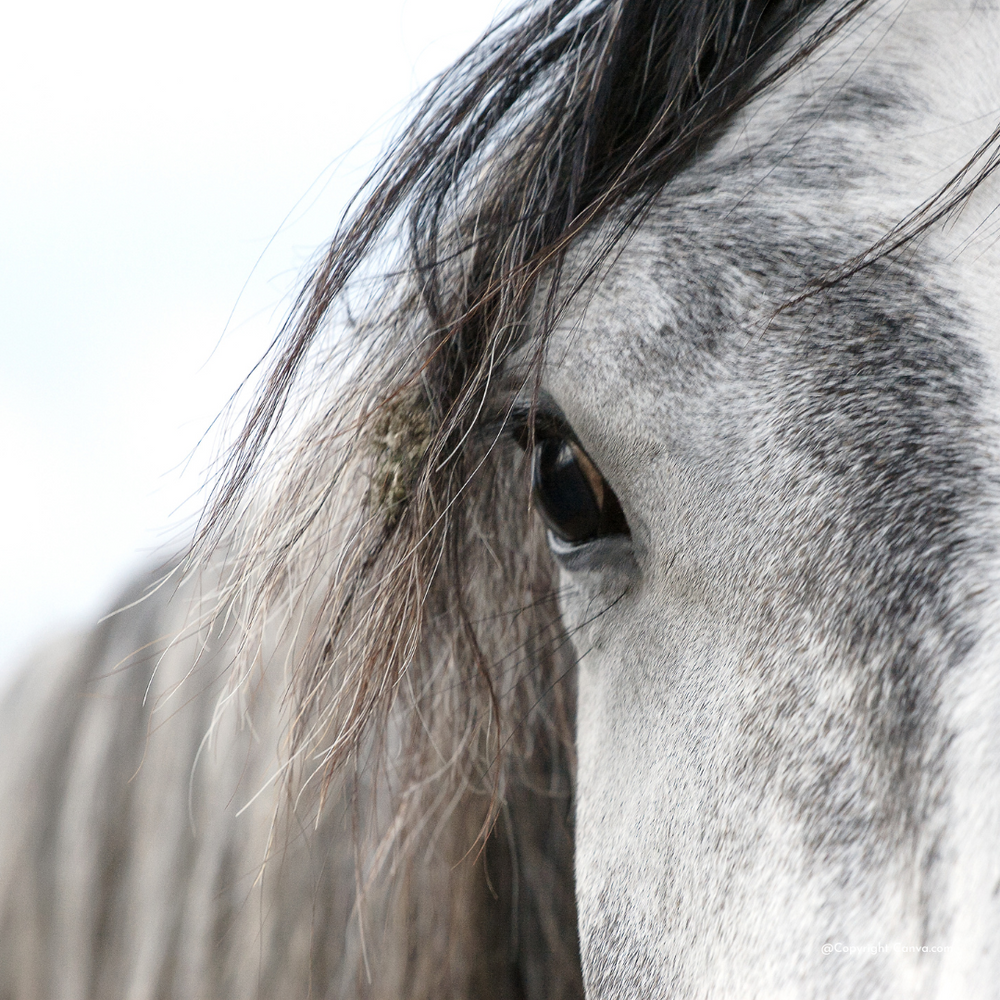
<point x="571" y="494"/>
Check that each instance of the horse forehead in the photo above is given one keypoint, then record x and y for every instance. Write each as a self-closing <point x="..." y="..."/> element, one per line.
<point x="814" y="171"/>
<point x="885" y="110"/>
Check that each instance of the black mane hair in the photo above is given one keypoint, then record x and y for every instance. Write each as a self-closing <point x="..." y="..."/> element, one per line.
<point x="561" y="113"/>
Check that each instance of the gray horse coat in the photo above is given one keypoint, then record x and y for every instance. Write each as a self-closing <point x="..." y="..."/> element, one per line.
<point x="718" y="285"/>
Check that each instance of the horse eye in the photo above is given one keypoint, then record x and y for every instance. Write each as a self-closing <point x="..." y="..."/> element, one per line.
<point x="573" y="498"/>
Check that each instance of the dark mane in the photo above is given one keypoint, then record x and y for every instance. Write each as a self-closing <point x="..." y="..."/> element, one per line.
<point x="561" y="114"/>
<point x="419" y="592"/>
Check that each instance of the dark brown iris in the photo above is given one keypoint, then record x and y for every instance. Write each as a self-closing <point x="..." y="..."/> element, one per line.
<point x="570" y="493"/>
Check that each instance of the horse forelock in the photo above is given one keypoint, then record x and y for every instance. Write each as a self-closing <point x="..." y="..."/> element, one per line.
<point x="365" y="542"/>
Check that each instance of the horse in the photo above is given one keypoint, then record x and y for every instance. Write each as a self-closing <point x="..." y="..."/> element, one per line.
<point x="601" y="596"/>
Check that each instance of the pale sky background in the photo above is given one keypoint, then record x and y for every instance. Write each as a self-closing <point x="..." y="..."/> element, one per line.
<point x="154" y="159"/>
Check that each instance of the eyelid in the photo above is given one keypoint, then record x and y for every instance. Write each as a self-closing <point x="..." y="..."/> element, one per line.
<point x="542" y="417"/>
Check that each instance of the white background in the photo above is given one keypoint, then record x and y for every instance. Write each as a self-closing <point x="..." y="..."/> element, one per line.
<point x="166" y="173"/>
